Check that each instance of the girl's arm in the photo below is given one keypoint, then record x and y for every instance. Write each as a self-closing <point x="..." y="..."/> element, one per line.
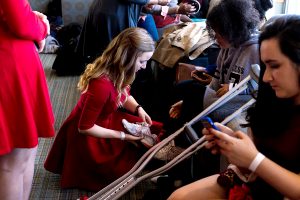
<point x="240" y="150"/>
<point x="100" y="132"/>
<point x="97" y="97"/>
<point x="286" y="182"/>
<point x="132" y="106"/>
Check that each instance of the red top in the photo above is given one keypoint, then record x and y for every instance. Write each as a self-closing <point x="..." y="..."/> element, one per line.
<point x="161" y="21"/>
<point x="25" y="109"/>
<point x="88" y="162"/>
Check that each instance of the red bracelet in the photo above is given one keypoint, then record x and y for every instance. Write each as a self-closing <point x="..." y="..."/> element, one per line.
<point x="137" y="109"/>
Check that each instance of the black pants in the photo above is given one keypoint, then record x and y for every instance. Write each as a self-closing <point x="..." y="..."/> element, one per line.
<point x="192" y="93"/>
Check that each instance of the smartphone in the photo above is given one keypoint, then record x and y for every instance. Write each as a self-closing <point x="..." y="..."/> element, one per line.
<point x="208" y="123"/>
<point x="201" y="75"/>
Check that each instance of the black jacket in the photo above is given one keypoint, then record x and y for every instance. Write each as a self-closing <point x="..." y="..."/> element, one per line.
<point x="105" y="20"/>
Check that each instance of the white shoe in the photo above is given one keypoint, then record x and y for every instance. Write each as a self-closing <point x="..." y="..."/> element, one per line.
<point x="141" y="130"/>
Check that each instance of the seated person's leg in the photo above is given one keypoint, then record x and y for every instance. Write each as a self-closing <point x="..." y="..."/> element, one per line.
<point x="149" y="24"/>
<point x="192" y="94"/>
<point x="205" y="189"/>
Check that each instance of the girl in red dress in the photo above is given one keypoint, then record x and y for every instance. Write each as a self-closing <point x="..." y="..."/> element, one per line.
<point x="25" y="107"/>
<point x="91" y="149"/>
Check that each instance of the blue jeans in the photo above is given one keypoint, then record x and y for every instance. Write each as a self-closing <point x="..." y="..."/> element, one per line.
<point x="149" y="25"/>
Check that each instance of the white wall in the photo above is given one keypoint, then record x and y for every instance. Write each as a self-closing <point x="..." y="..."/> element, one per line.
<point x="39" y="5"/>
<point x="292" y="7"/>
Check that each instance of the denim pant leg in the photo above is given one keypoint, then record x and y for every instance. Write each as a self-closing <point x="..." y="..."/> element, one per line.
<point x="149" y="25"/>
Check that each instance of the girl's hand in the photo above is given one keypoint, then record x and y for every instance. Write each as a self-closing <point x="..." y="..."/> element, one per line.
<point x="175" y="110"/>
<point x="211" y="139"/>
<point x="44" y="19"/>
<point x="186" y="9"/>
<point x="224" y="88"/>
<point x="142" y="114"/>
<point x="41" y="45"/>
<point x="201" y="76"/>
<point x="237" y="147"/>
<point x="163" y="2"/>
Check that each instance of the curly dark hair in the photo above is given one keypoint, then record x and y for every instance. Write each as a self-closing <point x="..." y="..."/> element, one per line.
<point x="234" y="20"/>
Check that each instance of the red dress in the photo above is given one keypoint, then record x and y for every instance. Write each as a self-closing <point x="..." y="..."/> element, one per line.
<point x="88" y="162"/>
<point x="25" y="107"/>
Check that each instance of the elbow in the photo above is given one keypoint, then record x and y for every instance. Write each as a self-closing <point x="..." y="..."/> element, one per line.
<point x="84" y="131"/>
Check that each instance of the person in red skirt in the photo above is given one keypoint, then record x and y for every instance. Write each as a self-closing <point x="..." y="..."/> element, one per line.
<point x="25" y="107"/>
<point x="92" y="148"/>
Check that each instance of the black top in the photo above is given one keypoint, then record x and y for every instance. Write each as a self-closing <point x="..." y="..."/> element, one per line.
<point x="105" y="20"/>
<point x="282" y="149"/>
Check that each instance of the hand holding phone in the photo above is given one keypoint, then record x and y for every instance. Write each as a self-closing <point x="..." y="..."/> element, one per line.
<point x="208" y="123"/>
<point x="211" y="144"/>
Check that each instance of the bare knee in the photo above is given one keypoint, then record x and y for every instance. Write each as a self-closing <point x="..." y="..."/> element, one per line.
<point x="179" y="194"/>
<point x="206" y="188"/>
<point x="17" y="160"/>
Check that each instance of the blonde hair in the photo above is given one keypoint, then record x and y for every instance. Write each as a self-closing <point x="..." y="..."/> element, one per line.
<point x="118" y="60"/>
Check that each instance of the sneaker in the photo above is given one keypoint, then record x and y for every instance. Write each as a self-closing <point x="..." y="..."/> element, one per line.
<point x="149" y="140"/>
<point x="168" y="152"/>
<point x="141" y="130"/>
<point x="135" y="129"/>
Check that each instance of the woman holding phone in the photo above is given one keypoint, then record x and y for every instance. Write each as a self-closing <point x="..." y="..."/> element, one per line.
<point x="266" y="165"/>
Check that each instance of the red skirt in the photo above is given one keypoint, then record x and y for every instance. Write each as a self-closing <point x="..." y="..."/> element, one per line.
<point x="92" y="163"/>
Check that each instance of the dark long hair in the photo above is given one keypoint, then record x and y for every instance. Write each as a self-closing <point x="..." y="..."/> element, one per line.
<point x="271" y="115"/>
<point x="235" y="20"/>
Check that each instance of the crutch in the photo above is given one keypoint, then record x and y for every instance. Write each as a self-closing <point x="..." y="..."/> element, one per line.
<point x="122" y="185"/>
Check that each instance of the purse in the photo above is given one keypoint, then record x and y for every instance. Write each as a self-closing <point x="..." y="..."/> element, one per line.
<point x="183" y="72"/>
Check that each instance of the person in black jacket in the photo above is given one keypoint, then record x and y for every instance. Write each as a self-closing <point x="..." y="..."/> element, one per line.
<point x="105" y="20"/>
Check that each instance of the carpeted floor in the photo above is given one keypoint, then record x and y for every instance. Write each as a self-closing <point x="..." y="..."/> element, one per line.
<point x="64" y="96"/>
